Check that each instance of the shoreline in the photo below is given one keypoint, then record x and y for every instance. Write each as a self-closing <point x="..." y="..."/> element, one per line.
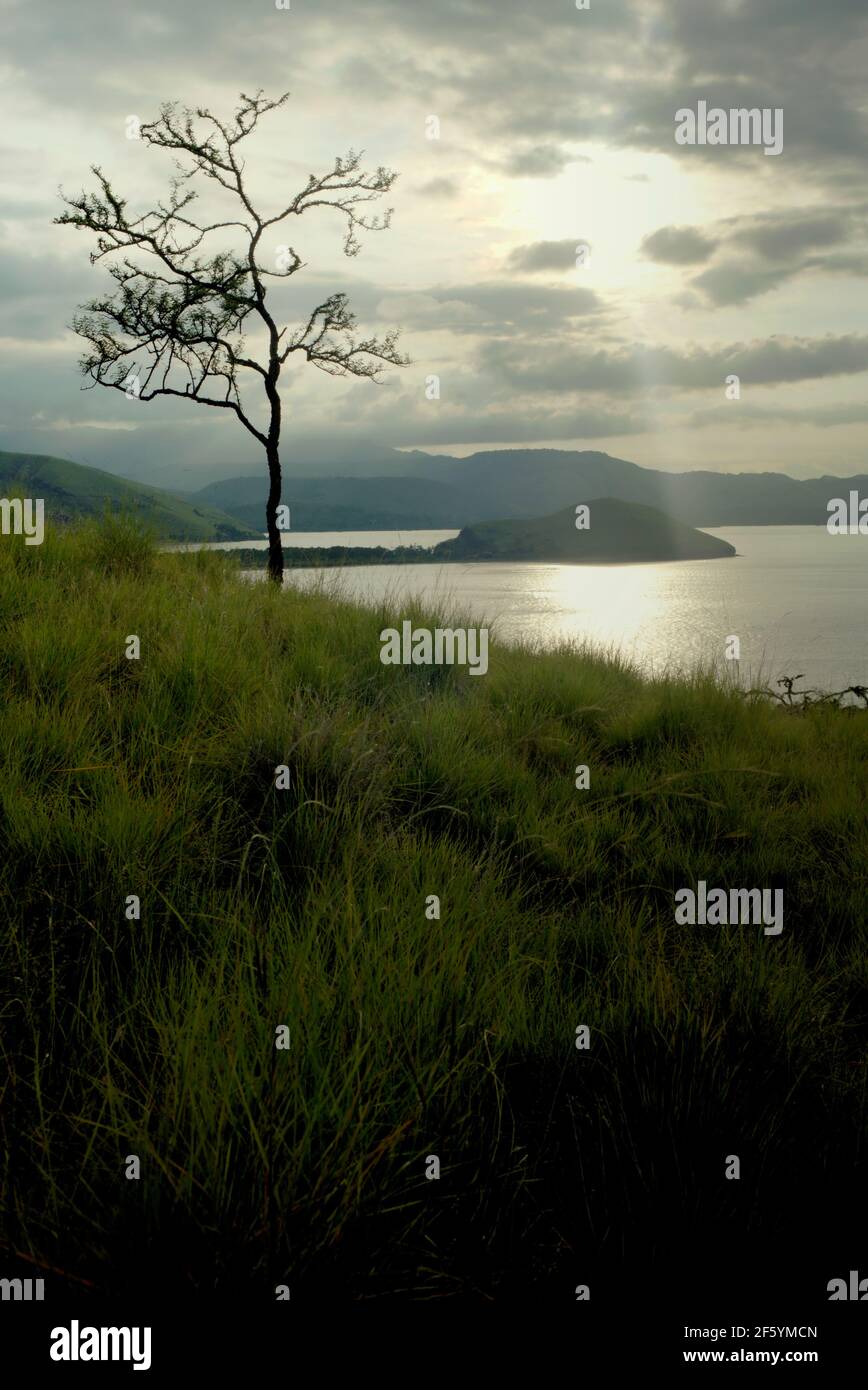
<point x="336" y="557"/>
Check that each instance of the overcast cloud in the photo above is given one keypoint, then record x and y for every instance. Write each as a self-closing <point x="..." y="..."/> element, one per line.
<point x="556" y="129"/>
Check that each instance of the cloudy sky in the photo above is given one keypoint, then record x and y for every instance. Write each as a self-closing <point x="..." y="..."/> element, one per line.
<point x="556" y="128"/>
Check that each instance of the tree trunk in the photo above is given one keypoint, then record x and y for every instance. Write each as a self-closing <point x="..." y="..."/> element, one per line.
<point x="275" y="549"/>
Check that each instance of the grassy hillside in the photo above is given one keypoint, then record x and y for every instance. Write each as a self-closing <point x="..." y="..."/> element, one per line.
<point x="617" y="532"/>
<point x="409" y="1036"/>
<point x="72" y="491"/>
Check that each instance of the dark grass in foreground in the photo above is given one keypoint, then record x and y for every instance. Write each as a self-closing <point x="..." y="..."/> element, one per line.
<point x="409" y="1037"/>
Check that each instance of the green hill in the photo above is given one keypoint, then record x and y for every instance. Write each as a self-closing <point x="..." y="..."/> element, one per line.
<point x="617" y="533"/>
<point x="72" y="491"/>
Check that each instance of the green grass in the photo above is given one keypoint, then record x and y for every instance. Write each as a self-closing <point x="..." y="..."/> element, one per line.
<point x="409" y="1037"/>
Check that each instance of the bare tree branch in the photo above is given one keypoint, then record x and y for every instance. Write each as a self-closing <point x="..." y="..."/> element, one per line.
<point x="183" y="308"/>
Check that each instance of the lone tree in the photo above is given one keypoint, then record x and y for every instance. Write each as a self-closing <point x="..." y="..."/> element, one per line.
<point x="183" y="310"/>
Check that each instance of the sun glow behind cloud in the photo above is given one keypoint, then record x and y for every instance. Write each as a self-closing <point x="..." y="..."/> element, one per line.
<point x="573" y="98"/>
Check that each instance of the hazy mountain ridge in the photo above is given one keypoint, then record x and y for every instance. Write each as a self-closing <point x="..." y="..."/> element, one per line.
<point x="433" y="491"/>
<point x="342" y="503"/>
<point x="438" y="490"/>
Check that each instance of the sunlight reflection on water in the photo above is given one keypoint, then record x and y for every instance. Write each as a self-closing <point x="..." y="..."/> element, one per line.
<point x="795" y="596"/>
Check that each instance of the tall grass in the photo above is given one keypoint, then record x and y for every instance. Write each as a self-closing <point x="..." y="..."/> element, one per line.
<point x="409" y="1037"/>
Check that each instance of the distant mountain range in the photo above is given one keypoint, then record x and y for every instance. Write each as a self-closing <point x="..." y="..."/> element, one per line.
<point x="71" y="491"/>
<point x="419" y="491"/>
<point x="616" y="533"/>
<point x="436" y="490"/>
<point x="341" y="504"/>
